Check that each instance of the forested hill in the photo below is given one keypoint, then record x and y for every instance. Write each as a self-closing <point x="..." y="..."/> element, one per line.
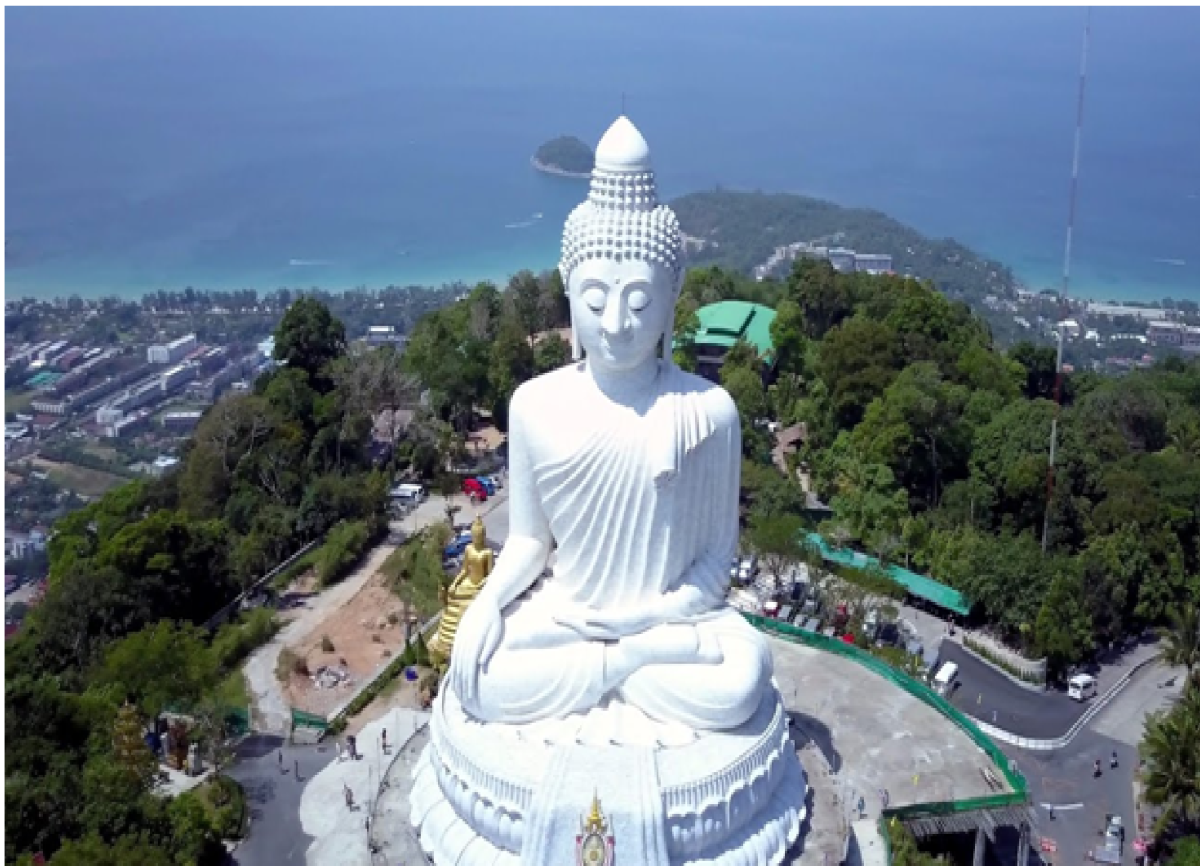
<point x="743" y="229"/>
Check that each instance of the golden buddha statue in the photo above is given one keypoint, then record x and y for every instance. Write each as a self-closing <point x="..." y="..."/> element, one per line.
<point x="460" y="592"/>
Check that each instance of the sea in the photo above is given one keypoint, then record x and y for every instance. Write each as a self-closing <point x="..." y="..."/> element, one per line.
<point x="231" y="148"/>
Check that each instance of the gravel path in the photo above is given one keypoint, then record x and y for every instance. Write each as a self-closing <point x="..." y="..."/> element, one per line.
<point x="271" y="711"/>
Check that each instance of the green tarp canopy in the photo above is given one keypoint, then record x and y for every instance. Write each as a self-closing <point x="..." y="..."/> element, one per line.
<point x="915" y="584"/>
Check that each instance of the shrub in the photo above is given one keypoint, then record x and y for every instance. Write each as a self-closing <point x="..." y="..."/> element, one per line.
<point x="1002" y="663"/>
<point x="228" y="802"/>
<point x="343" y="547"/>
<point x="290" y="663"/>
<point x="326" y="644"/>
<point x="236" y="640"/>
<point x="286" y="577"/>
<point x="415" y="569"/>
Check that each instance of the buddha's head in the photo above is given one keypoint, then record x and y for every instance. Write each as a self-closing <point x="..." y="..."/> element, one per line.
<point x="622" y="262"/>
<point x="478" y="533"/>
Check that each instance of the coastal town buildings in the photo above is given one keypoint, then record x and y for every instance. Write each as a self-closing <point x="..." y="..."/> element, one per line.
<point x="842" y="259"/>
<point x="171" y="352"/>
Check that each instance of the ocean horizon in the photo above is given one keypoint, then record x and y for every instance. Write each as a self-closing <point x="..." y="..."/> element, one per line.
<point x="231" y="148"/>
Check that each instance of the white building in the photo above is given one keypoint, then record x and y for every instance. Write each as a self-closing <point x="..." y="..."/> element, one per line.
<point x="1149" y="314"/>
<point x="172" y="351"/>
<point x="1070" y="328"/>
<point x="873" y="263"/>
<point x="162" y="465"/>
<point x="1166" y="333"/>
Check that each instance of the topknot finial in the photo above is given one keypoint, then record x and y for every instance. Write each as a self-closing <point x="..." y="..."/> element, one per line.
<point x="623" y="149"/>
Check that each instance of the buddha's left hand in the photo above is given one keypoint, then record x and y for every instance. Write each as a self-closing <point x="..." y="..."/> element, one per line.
<point x="605" y="625"/>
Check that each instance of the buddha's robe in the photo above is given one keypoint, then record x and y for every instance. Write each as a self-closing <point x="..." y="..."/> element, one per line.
<point x="639" y="503"/>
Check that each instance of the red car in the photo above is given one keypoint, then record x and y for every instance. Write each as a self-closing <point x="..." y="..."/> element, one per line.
<point x="474" y="489"/>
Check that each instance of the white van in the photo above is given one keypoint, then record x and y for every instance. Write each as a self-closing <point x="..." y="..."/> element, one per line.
<point x="943" y="681"/>
<point x="1081" y="687"/>
<point x="407" y="494"/>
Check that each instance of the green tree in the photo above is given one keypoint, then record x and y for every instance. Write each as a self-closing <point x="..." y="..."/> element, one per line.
<point x="159" y="666"/>
<point x="788" y="338"/>
<point x="1170" y="751"/>
<point x="1186" y="853"/>
<point x="1181" y="640"/>
<point x="525" y="299"/>
<point x="856" y="360"/>
<point x="778" y="541"/>
<point x="309" y="337"/>
<point x="512" y="363"/>
<point x="916" y="429"/>
<point x="687" y="326"/>
<point x="551" y="352"/>
<point x="821" y="294"/>
<point x="1063" y="630"/>
<point x="94" y="851"/>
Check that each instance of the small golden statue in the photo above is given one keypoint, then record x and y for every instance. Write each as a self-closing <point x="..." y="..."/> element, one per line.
<point x="458" y="595"/>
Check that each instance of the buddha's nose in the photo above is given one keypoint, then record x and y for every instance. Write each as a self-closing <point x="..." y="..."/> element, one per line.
<point x="615" y="321"/>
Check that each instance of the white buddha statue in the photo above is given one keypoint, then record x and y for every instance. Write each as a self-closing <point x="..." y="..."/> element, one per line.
<point x="626" y="469"/>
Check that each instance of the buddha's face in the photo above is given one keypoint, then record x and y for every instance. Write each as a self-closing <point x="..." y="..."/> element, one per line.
<point x="619" y="310"/>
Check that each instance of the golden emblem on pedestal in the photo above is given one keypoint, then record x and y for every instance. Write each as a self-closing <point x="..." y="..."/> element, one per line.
<point x="594" y="844"/>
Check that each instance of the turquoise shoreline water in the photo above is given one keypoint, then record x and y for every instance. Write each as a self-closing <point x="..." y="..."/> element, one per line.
<point x="154" y="149"/>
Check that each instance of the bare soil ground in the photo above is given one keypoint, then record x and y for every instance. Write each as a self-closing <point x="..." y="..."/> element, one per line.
<point x="80" y="479"/>
<point x="364" y="641"/>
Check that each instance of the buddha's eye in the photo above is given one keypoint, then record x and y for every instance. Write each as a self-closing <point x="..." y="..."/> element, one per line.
<point x="638" y="300"/>
<point x="595" y="298"/>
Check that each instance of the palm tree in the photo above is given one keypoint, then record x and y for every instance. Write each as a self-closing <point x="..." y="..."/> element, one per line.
<point x="1171" y="751"/>
<point x="1181" y="641"/>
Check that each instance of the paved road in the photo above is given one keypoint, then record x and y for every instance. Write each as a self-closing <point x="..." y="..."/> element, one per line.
<point x="273" y="796"/>
<point x="1065" y="777"/>
<point x="991" y="697"/>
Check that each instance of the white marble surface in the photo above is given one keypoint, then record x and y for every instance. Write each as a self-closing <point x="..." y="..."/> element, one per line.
<point x="340" y="834"/>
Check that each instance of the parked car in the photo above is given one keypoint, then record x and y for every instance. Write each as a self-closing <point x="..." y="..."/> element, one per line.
<point x="487" y="484"/>
<point x="456" y="547"/>
<point x="472" y="488"/>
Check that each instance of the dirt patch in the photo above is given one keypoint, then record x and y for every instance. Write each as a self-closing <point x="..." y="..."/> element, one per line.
<point x="355" y="643"/>
<point x="79" y="479"/>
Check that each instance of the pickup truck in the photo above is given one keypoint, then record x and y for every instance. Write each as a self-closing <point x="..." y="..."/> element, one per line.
<point x="1114" y="842"/>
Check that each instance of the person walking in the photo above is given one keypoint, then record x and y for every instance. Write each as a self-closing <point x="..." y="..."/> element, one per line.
<point x="349" y="795"/>
<point x="281" y="770"/>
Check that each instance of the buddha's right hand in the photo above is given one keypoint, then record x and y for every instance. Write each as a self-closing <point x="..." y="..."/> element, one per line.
<point x="478" y="636"/>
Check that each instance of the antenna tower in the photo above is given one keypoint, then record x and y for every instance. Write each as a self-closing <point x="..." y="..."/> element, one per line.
<point x="1066" y="283"/>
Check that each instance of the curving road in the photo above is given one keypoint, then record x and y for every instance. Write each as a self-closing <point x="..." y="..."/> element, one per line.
<point x="986" y="694"/>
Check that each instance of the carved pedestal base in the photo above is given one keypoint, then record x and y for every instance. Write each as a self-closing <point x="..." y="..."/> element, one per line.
<point x="491" y="794"/>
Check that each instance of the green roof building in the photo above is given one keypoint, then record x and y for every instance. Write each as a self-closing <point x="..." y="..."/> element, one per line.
<point x="723" y="324"/>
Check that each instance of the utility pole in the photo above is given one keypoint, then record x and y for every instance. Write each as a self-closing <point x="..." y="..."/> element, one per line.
<point x="1058" y="362"/>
